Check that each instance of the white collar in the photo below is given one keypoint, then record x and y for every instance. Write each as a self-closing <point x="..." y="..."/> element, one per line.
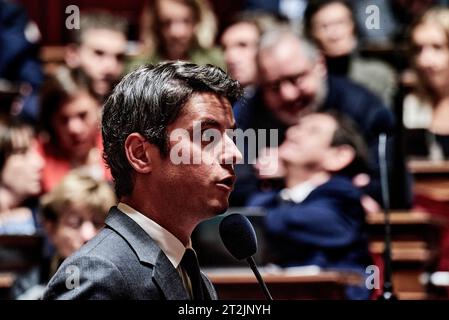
<point x="298" y="193"/>
<point x="169" y="244"/>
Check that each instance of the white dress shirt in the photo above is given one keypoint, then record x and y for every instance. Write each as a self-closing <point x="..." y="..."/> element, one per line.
<point x="298" y="193"/>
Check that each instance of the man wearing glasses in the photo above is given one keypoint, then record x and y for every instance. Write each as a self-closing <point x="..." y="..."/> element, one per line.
<point x="293" y="82"/>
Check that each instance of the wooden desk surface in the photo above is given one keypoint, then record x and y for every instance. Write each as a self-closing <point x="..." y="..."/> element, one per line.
<point x="428" y="166"/>
<point x="431" y="178"/>
<point x="240" y="283"/>
<point x="246" y="276"/>
<point x="406" y="218"/>
<point x="436" y="189"/>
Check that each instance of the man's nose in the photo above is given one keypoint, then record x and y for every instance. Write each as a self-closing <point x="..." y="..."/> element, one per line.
<point x="177" y="29"/>
<point x="38" y="160"/>
<point x="231" y="55"/>
<point x="289" y="91"/>
<point x="110" y="64"/>
<point x="75" y="126"/>
<point x="230" y="154"/>
<point x="426" y="57"/>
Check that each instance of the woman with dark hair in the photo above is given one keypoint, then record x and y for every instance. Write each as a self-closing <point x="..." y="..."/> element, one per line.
<point x="20" y="174"/>
<point x="71" y="136"/>
<point x="331" y="25"/>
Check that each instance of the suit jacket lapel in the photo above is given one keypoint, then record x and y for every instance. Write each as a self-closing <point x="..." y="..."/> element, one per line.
<point x="168" y="279"/>
<point x="145" y="247"/>
<point x="164" y="274"/>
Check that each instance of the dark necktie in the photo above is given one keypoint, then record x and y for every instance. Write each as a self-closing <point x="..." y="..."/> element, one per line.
<point x="190" y="265"/>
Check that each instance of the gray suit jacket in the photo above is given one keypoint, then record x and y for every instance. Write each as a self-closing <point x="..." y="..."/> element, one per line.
<point x="121" y="262"/>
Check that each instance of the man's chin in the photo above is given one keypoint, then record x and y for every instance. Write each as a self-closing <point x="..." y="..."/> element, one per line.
<point x="219" y="207"/>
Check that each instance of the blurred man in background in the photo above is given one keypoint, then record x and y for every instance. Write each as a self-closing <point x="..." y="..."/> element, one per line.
<point x="294" y="82"/>
<point x="98" y="49"/>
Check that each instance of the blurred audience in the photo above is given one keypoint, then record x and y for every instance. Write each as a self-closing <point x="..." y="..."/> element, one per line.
<point x="330" y="23"/>
<point x="71" y="214"/>
<point x="384" y="23"/>
<point x="70" y="120"/>
<point x="293" y="10"/>
<point x="98" y="48"/>
<point x="19" y="63"/>
<point x="375" y="22"/>
<point x="240" y="41"/>
<point x="318" y="219"/>
<point x="426" y="111"/>
<point x="20" y="175"/>
<point x="327" y="101"/>
<point x="407" y="11"/>
<point x="294" y="81"/>
<point x="179" y="30"/>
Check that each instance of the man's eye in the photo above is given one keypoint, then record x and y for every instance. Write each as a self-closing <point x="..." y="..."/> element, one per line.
<point x="99" y="53"/>
<point x="82" y="115"/>
<point x="207" y="137"/>
<point x="74" y="222"/>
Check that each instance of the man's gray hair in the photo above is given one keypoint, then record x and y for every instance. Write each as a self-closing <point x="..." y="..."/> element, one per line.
<point x="273" y="37"/>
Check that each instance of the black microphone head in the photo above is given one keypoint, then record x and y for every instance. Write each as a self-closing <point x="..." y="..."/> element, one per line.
<point x="383" y="121"/>
<point x="238" y="236"/>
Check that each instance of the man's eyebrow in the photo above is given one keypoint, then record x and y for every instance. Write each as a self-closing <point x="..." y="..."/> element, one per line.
<point x="214" y="123"/>
<point x="208" y="122"/>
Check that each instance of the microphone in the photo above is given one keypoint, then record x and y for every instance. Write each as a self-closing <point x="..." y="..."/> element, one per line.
<point x="240" y="239"/>
<point x="383" y="124"/>
<point x="383" y="121"/>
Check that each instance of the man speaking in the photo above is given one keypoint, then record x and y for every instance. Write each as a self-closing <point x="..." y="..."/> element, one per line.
<point x="144" y="251"/>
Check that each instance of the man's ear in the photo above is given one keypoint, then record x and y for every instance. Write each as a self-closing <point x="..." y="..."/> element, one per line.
<point x="138" y="152"/>
<point x="72" y="56"/>
<point x="338" y="158"/>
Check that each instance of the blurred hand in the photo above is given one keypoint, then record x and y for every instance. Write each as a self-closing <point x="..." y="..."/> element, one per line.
<point x="268" y="165"/>
<point x="361" y="180"/>
<point x="369" y="204"/>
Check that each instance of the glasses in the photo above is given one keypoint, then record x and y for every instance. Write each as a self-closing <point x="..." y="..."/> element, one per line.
<point x="294" y="79"/>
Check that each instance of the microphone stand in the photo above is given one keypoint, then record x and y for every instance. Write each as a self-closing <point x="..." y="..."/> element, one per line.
<point x="387" y="293"/>
<point x="262" y="284"/>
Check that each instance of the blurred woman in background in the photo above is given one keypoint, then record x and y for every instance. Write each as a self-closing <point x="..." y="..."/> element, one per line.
<point x="426" y="110"/>
<point x="331" y="25"/>
<point x="20" y="175"/>
<point x="179" y="30"/>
